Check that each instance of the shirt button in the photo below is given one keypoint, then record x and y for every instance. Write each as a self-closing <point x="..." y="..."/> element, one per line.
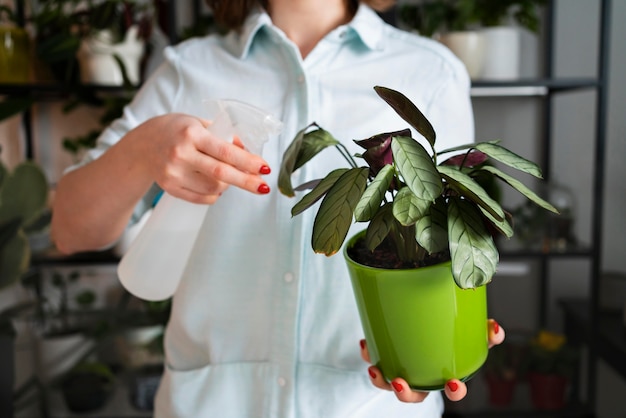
<point x="282" y="382"/>
<point x="288" y="277"/>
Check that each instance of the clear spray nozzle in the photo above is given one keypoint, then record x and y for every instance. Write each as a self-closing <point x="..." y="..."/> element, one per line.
<point x="251" y="125"/>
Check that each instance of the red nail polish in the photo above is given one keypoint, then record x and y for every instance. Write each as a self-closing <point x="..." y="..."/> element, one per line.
<point x="397" y="387"/>
<point x="453" y="386"/>
<point x="372" y="374"/>
<point x="362" y="343"/>
<point x="265" y="170"/>
<point x="496" y="327"/>
<point x="264" y="189"/>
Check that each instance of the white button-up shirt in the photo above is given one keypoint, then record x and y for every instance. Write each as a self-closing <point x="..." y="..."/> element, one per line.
<point x="261" y="326"/>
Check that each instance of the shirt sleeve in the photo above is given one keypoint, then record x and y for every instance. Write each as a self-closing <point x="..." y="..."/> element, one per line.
<point x="156" y="97"/>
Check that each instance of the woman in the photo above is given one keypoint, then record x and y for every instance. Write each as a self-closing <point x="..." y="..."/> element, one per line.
<point x="261" y="326"/>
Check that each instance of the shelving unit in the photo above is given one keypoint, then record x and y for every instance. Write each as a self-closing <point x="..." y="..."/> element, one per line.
<point x="585" y="324"/>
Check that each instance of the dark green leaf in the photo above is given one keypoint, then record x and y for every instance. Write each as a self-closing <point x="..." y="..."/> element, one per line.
<point x="12" y="106"/>
<point x="287" y="167"/>
<point x="504" y="226"/>
<point x="408" y="111"/>
<point x="318" y="192"/>
<point x="374" y="194"/>
<point x="312" y="144"/>
<point x="408" y="208"/>
<point x="467" y="187"/>
<point x="304" y="146"/>
<point x="520" y="187"/>
<point x="499" y="153"/>
<point x="431" y="230"/>
<point x="334" y="216"/>
<point x="473" y="252"/>
<point x="379" y="226"/>
<point x="417" y="168"/>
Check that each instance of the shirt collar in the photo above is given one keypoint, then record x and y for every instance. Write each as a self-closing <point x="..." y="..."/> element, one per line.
<point x="366" y="24"/>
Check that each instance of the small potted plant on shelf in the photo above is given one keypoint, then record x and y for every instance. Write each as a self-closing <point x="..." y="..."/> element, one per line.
<point x="420" y="268"/>
<point x="87" y="386"/>
<point x="502" y="370"/>
<point x="96" y="43"/>
<point x="549" y="368"/>
<point x="455" y="23"/>
<point x="479" y="32"/>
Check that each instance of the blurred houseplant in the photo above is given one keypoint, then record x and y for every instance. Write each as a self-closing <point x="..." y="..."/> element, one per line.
<point x="479" y="32"/>
<point x="23" y="197"/>
<point x="502" y="370"/>
<point x="67" y="31"/>
<point x="425" y="216"/>
<point x="549" y="366"/>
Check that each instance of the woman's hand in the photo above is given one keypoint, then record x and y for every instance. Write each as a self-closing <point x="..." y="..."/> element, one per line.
<point x="455" y="390"/>
<point x="188" y="162"/>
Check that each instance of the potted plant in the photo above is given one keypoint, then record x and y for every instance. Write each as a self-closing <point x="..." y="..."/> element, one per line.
<point x="549" y="368"/>
<point x="23" y="197"/>
<point x="94" y="42"/>
<point x="428" y="250"/>
<point x="503" y="40"/>
<point x="502" y="370"/>
<point x="87" y="386"/>
<point x="478" y="31"/>
<point x="455" y="23"/>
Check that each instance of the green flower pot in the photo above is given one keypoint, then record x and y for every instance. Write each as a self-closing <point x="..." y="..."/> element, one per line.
<point x="418" y="324"/>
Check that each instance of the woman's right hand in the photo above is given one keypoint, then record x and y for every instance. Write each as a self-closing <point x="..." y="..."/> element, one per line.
<point x="188" y="162"/>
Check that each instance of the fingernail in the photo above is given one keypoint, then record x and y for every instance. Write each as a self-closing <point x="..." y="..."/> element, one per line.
<point x="362" y="342"/>
<point x="264" y="189"/>
<point x="372" y="374"/>
<point x="496" y="327"/>
<point x="453" y="386"/>
<point x="265" y="170"/>
<point x="397" y="387"/>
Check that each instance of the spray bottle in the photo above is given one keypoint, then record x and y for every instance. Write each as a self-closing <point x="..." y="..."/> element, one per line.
<point x="152" y="267"/>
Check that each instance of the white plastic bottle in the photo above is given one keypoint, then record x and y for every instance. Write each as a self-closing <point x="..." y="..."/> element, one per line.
<point x="153" y="266"/>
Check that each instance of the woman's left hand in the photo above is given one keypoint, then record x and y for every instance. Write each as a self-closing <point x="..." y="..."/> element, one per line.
<point x="455" y="390"/>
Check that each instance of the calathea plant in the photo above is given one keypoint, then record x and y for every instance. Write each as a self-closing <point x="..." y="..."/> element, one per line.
<point x="421" y="210"/>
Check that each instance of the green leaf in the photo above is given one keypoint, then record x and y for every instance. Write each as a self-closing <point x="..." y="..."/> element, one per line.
<point x="431" y="230"/>
<point x="504" y="226"/>
<point x="12" y="106"/>
<point x="288" y="164"/>
<point x="379" y="226"/>
<point x="473" y="252"/>
<point x="14" y="259"/>
<point x="318" y="192"/>
<point x="499" y="153"/>
<point x="334" y="216"/>
<point x="312" y="144"/>
<point x="24" y="193"/>
<point x="303" y="148"/>
<point x="374" y="194"/>
<point x="417" y="168"/>
<point x="467" y="187"/>
<point x="520" y="187"/>
<point x="408" y="111"/>
<point x="408" y="208"/>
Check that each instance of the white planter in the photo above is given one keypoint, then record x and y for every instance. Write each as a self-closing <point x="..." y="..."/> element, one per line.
<point x="469" y="47"/>
<point x="502" y="53"/>
<point x="97" y="62"/>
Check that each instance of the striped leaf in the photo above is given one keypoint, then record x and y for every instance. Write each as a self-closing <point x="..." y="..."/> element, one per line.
<point x="334" y="216"/>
